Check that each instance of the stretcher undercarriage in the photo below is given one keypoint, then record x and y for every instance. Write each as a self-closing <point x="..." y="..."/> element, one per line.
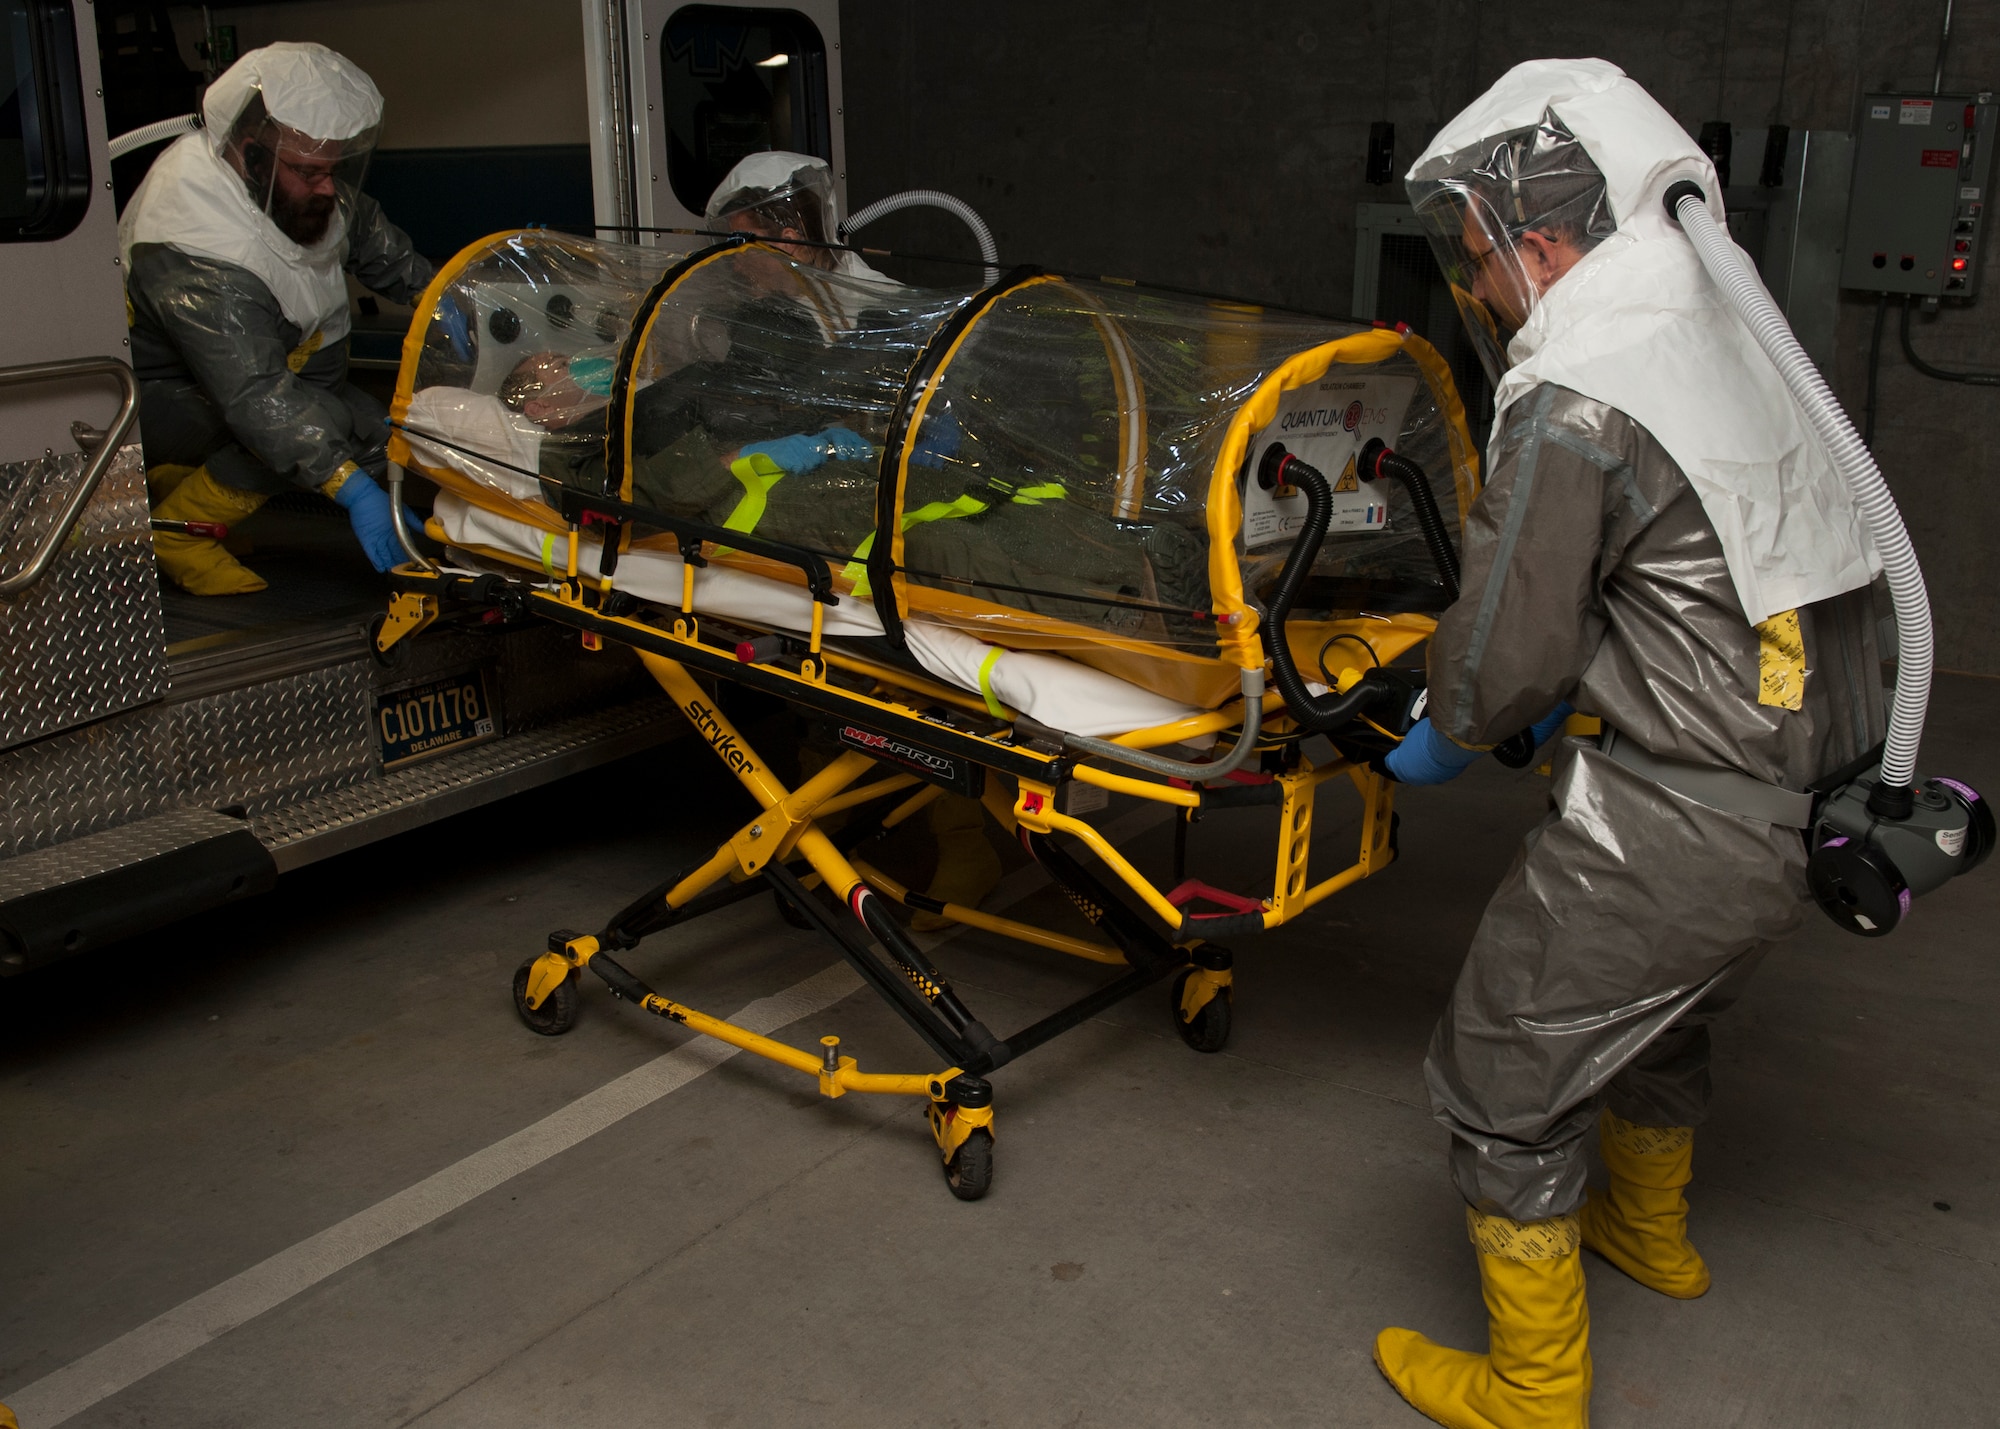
<point x="909" y="739"/>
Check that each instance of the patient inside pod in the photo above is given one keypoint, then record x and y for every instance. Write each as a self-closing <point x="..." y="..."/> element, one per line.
<point x="1044" y="456"/>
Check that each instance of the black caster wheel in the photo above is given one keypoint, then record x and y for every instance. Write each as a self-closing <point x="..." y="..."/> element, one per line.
<point x="392" y="657"/>
<point x="790" y="911"/>
<point x="557" y="1014"/>
<point x="1210" y="1029"/>
<point x="970" y="1172"/>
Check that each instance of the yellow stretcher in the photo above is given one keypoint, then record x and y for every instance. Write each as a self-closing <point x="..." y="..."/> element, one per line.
<point x="907" y="735"/>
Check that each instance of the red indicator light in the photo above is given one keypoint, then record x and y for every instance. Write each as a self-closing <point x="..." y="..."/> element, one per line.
<point x="1958" y="265"/>
<point x="1971" y="118"/>
<point x="1963" y="245"/>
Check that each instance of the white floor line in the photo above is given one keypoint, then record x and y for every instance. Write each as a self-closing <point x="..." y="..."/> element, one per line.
<point x="188" y="1326"/>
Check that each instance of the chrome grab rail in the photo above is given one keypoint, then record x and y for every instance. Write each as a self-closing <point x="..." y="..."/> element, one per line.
<point x="105" y="452"/>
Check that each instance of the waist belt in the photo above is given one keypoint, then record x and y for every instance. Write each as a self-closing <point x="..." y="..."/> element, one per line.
<point x="1725" y="789"/>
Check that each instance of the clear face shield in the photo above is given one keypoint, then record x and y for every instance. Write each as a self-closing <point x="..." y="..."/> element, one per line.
<point x="299" y="181"/>
<point x="775" y="200"/>
<point x="1506" y="219"/>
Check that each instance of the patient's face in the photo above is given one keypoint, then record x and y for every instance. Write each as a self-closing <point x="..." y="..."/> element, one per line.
<point x="553" y="400"/>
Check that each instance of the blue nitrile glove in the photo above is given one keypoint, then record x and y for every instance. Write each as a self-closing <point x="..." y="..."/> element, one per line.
<point x="937" y="440"/>
<point x="456" y="327"/>
<point x="848" y="446"/>
<point x="1426" y="757"/>
<point x="801" y="453"/>
<point x="367" y="507"/>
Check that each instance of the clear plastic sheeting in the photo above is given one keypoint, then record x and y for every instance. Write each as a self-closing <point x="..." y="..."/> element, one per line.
<point x="1047" y="463"/>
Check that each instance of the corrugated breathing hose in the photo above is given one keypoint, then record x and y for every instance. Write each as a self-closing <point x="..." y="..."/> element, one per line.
<point x="153" y="133"/>
<point x="989" y="252"/>
<point x="1892" y="797"/>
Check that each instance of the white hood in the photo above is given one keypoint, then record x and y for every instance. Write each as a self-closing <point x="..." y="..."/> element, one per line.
<point x="193" y="201"/>
<point x="1638" y="325"/>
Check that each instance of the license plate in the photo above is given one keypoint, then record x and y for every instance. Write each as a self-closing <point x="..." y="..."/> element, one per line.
<point x="430" y="718"/>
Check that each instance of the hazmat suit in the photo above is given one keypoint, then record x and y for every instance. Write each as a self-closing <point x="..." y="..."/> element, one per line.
<point x="1663" y="545"/>
<point x="237" y="249"/>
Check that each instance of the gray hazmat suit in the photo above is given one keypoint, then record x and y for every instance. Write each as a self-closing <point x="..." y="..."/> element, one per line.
<point x="1631" y="914"/>
<point x="213" y="351"/>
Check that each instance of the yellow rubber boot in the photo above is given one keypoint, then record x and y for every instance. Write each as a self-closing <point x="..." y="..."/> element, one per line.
<point x="161" y="482"/>
<point x="967" y="866"/>
<point x="198" y="564"/>
<point x="1536" y="1372"/>
<point x="1640" y="1223"/>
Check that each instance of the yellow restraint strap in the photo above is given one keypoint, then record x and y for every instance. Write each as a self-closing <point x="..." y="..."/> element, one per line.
<point x="856" y="571"/>
<point x="759" y="474"/>
<point x="986" y="682"/>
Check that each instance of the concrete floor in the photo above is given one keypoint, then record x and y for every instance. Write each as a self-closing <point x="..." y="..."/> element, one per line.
<point x="1171" y="1239"/>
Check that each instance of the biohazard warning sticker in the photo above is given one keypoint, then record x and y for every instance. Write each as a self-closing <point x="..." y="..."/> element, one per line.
<point x="1325" y="425"/>
<point x="1781" y="662"/>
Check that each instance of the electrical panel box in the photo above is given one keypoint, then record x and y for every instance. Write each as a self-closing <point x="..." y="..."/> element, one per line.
<point x="1923" y="164"/>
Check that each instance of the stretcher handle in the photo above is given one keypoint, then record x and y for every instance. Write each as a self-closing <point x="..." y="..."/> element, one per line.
<point x="403" y="537"/>
<point x="575" y="505"/>
<point x="1246" y="743"/>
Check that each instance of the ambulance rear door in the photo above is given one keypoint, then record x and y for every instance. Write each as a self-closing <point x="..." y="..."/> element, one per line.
<point x="679" y="93"/>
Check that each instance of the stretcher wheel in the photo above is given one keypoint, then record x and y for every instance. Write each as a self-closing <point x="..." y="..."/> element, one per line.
<point x="557" y="1014"/>
<point x="969" y="1173"/>
<point x="789" y="911"/>
<point x="1209" y="1031"/>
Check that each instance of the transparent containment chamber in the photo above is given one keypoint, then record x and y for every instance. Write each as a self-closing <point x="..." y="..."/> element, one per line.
<point x="1048" y="464"/>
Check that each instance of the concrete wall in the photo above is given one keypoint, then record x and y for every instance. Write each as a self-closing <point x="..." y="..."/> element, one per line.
<point x="1221" y="148"/>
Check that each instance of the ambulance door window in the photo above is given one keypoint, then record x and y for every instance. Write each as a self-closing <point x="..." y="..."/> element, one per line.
<point x="735" y="81"/>
<point x="44" y="146"/>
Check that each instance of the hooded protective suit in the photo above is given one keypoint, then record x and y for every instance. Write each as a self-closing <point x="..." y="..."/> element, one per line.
<point x="777" y="182"/>
<point x="1598" y="571"/>
<point x="239" y="332"/>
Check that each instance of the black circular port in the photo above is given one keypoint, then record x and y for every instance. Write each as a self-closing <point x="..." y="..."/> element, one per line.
<point x="1881" y="260"/>
<point x="561" y="309"/>
<point x="505" y="325"/>
<point x="1907" y="263"/>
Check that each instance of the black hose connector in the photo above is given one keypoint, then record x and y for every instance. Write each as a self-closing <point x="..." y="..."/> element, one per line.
<point x="1686" y="188"/>
<point x="1892" y="801"/>
<point x="1314" y="714"/>
<point x="1376" y="462"/>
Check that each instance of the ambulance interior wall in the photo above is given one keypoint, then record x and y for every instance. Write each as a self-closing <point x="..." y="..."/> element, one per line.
<point x="486" y="124"/>
<point x="1222" y="148"/>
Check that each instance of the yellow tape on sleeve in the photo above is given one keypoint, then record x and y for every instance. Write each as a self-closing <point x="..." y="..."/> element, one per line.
<point x="993" y="706"/>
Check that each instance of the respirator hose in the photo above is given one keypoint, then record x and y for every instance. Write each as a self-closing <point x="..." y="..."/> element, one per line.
<point x="1732" y="273"/>
<point x="153" y="133"/>
<point x="1314" y="714"/>
<point x="1377" y="461"/>
<point x="989" y="252"/>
